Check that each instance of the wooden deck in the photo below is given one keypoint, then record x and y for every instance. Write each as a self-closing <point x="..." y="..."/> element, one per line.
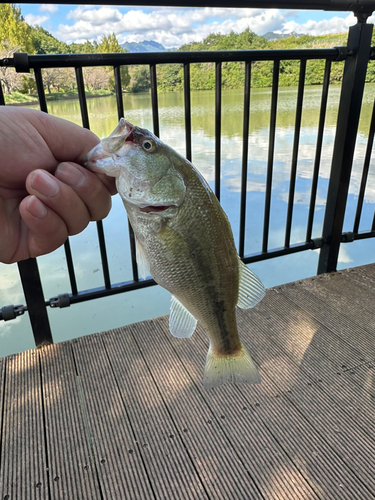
<point x="123" y="415"/>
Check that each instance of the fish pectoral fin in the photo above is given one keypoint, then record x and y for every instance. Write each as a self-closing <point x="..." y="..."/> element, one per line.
<point x="251" y="289"/>
<point x="232" y="368"/>
<point x="181" y="323"/>
<point x="142" y="261"/>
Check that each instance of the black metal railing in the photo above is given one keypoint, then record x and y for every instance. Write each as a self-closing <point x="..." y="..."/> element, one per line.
<point x="356" y="55"/>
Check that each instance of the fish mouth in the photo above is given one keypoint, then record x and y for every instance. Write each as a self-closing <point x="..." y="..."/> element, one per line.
<point x="104" y="155"/>
<point x="156" y="208"/>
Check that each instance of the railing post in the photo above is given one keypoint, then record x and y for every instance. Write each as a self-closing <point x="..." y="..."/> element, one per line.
<point x="359" y="44"/>
<point x="32" y="288"/>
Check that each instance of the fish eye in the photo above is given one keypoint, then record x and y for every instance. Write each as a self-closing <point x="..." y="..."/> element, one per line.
<point x="148" y="145"/>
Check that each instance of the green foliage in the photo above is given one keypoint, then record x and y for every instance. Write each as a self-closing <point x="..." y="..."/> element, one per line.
<point x="45" y="43"/>
<point x="28" y="85"/>
<point x="139" y="79"/>
<point x="234" y="41"/>
<point x="16" y="34"/>
<point x="109" y="44"/>
<point x="170" y="77"/>
<point x="83" y="48"/>
<point x="14" y="31"/>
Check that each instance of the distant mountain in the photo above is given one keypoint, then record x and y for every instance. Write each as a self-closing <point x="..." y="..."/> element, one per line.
<point x="270" y="35"/>
<point x="145" y="46"/>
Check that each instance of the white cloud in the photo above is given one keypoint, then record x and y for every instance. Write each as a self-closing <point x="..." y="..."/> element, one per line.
<point x="45" y="7"/>
<point x="323" y="27"/>
<point x="171" y="27"/>
<point x="33" y="20"/>
<point x="344" y="257"/>
<point x="95" y="17"/>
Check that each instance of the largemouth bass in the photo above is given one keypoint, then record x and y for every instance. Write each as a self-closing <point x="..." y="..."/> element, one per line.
<point x="184" y="240"/>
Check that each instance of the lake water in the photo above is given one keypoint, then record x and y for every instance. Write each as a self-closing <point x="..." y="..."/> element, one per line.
<point x="118" y="310"/>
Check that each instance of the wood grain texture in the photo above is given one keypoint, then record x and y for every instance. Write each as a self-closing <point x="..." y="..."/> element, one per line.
<point x="123" y="414"/>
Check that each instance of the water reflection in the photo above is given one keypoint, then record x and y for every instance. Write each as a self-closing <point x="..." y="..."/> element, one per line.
<point x="127" y="308"/>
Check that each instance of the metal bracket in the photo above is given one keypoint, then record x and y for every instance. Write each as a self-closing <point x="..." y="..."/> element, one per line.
<point x="62" y="300"/>
<point x="317" y="243"/>
<point x="362" y="15"/>
<point x="21" y="62"/>
<point x="347" y="237"/>
<point x="342" y="53"/>
<point x="11" y="312"/>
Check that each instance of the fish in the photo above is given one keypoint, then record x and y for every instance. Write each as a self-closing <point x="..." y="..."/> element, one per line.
<point x="184" y="241"/>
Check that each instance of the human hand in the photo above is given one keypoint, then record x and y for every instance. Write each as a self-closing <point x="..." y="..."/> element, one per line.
<point x="45" y="194"/>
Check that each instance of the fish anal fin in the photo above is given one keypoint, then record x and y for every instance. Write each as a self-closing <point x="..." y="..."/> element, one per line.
<point x="251" y="289"/>
<point x="181" y="323"/>
<point x="235" y="368"/>
<point x="142" y="261"/>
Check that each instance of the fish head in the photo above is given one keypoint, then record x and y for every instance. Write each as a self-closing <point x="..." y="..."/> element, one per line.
<point x="144" y="169"/>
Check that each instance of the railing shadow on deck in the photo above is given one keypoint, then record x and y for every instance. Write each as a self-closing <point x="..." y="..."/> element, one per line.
<point x="356" y="56"/>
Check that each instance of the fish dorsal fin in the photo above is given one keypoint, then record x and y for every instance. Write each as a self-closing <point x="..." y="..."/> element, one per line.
<point x="142" y="261"/>
<point x="181" y="323"/>
<point x="251" y="289"/>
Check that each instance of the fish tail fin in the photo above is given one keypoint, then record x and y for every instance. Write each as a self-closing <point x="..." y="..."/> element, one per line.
<point x="232" y="368"/>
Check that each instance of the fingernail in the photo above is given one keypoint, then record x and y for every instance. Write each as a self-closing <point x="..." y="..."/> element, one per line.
<point x="36" y="207"/>
<point x="70" y="175"/>
<point x="44" y="183"/>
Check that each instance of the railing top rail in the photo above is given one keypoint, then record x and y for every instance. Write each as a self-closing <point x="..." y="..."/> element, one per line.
<point x="334" y="5"/>
<point x="23" y="62"/>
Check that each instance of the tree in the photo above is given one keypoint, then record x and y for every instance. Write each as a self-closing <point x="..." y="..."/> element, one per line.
<point x="53" y="78"/>
<point x="83" y="48"/>
<point x="14" y="31"/>
<point x="139" y="79"/>
<point x="45" y="43"/>
<point x="109" y="45"/>
<point x="96" y="78"/>
<point x="10" y="80"/>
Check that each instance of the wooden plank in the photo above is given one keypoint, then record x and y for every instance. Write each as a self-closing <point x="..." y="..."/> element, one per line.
<point x="169" y="467"/>
<point x="312" y="457"/>
<point x="345" y="297"/>
<point x="121" y="470"/>
<point x="360" y="293"/>
<point x="327" y="309"/>
<point x="361" y="274"/>
<point x="365" y="271"/>
<point x="72" y="471"/>
<point x="319" y="353"/>
<point x="341" y="432"/>
<point x="317" y="305"/>
<point x="232" y="450"/>
<point x="24" y="466"/>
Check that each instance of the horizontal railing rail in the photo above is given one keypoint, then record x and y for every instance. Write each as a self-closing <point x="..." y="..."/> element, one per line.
<point x="22" y="62"/>
<point x="335" y="5"/>
<point x="356" y="56"/>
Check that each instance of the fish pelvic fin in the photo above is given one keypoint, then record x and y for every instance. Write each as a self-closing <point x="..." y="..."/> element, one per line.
<point x="232" y="368"/>
<point x="181" y="322"/>
<point x="251" y="289"/>
<point x="142" y="261"/>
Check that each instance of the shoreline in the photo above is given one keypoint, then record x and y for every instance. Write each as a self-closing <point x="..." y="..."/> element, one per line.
<point x="67" y="98"/>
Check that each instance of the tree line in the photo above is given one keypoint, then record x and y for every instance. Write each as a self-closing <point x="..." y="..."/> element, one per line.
<point x="17" y="35"/>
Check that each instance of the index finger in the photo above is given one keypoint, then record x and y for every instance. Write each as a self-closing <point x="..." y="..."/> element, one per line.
<point x="66" y="140"/>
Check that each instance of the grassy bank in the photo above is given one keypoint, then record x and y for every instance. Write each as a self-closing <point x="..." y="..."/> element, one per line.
<point x="24" y="99"/>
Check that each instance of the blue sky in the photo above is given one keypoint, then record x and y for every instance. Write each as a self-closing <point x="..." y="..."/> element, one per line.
<point x="173" y="27"/>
